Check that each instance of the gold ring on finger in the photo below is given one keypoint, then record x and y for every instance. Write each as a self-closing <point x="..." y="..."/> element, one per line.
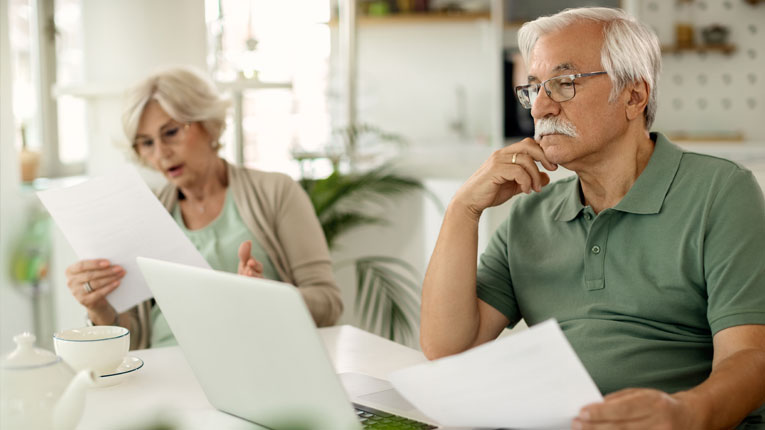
<point x="515" y="157"/>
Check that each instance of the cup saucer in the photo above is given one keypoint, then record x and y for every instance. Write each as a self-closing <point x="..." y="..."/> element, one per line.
<point x="129" y="365"/>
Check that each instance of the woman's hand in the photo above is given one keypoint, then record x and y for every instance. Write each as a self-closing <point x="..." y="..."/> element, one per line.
<point x="509" y="171"/>
<point x="248" y="266"/>
<point x="90" y="281"/>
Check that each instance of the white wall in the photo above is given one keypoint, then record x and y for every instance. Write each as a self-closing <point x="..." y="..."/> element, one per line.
<point x="713" y="92"/>
<point x="409" y="72"/>
<point x="123" y="42"/>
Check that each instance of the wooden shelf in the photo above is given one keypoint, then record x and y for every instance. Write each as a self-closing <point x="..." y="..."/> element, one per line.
<point x="705" y="137"/>
<point x="515" y="25"/>
<point x="722" y="48"/>
<point x="419" y="18"/>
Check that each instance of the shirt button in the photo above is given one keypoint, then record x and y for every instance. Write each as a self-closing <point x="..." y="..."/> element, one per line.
<point x="595" y="249"/>
<point x="587" y="217"/>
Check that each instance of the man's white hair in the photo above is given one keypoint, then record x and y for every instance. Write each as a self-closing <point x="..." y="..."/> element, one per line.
<point x="630" y="49"/>
<point x="185" y="93"/>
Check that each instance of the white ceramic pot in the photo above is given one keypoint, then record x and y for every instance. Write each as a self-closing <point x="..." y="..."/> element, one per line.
<point x="38" y="390"/>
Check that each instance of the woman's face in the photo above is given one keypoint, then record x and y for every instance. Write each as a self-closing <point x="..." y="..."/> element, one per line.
<point x="182" y="152"/>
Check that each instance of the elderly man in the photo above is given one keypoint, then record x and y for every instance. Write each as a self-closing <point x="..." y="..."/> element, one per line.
<point x="652" y="259"/>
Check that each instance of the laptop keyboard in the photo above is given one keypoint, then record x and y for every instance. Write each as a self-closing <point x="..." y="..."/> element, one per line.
<point x="379" y="420"/>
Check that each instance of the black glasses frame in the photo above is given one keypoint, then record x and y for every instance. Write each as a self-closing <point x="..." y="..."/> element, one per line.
<point x="523" y="92"/>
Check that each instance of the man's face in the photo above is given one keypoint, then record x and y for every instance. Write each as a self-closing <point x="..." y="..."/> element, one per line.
<point x="575" y="49"/>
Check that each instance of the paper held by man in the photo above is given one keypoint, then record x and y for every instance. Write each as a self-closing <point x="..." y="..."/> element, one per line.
<point x="532" y="379"/>
<point x="117" y="217"/>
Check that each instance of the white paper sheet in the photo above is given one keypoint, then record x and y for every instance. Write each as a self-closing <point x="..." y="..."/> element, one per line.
<point x="531" y="379"/>
<point x="118" y="218"/>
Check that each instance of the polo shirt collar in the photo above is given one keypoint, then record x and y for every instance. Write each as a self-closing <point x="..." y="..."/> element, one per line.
<point x="571" y="203"/>
<point x="647" y="193"/>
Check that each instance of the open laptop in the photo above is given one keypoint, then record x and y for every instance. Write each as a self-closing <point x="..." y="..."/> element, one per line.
<point x="254" y="349"/>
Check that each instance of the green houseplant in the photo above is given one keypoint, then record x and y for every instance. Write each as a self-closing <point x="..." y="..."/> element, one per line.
<point x="387" y="288"/>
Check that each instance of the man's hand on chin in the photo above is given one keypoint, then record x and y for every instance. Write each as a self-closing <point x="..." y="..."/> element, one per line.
<point x="640" y="408"/>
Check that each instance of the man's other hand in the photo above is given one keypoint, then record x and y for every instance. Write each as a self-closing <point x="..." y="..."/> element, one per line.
<point x="637" y="408"/>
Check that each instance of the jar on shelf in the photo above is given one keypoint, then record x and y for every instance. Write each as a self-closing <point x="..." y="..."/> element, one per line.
<point x="684" y="24"/>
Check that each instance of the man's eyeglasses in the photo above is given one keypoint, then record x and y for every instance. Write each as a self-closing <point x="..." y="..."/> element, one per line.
<point x="559" y="89"/>
<point x="170" y="134"/>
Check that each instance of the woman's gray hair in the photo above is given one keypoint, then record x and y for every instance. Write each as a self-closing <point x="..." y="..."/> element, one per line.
<point x="185" y="93"/>
<point x="630" y="49"/>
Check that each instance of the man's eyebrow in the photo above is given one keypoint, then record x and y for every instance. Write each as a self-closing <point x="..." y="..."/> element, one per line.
<point x="562" y="67"/>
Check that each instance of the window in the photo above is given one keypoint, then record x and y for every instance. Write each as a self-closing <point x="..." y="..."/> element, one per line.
<point x="72" y="132"/>
<point x="23" y="41"/>
<point x="271" y="56"/>
<point x="260" y="44"/>
<point x="53" y="128"/>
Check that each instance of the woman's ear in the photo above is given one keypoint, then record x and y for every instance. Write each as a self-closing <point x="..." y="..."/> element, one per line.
<point x="637" y="100"/>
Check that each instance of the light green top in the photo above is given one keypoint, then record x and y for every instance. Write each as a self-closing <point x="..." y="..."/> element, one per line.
<point x="641" y="288"/>
<point x="218" y="242"/>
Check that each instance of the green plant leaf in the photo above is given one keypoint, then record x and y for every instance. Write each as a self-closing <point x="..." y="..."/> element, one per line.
<point x="388" y="297"/>
<point x="337" y="223"/>
<point x="351" y="134"/>
<point x="337" y="189"/>
<point x="337" y="196"/>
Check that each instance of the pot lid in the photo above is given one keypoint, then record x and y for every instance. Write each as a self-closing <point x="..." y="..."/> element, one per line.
<point x="26" y="355"/>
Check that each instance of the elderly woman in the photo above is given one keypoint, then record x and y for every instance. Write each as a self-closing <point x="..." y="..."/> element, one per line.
<point x="241" y="220"/>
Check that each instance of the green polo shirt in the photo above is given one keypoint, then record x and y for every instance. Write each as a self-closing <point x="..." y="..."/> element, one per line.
<point x="639" y="289"/>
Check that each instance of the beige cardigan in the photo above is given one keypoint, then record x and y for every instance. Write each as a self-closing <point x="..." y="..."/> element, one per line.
<point x="280" y="215"/>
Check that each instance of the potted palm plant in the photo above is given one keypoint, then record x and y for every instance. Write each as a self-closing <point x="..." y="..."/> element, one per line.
<point x="387" y="288"/>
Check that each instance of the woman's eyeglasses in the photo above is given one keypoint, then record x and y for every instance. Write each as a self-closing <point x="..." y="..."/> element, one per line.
<point x="169" y="134"/>
<point x="559" y="89"/>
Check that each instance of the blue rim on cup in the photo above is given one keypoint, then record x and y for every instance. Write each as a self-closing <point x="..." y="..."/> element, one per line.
<point x="58" y="335"/>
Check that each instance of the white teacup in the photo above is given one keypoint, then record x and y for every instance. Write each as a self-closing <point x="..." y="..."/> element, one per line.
<point x="100" y="348"/>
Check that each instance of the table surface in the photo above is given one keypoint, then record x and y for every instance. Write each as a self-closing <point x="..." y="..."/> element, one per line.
<point x="165" y="390"/>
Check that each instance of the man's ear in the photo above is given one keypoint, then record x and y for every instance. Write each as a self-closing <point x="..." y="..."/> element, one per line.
<point x="637" y="99"/>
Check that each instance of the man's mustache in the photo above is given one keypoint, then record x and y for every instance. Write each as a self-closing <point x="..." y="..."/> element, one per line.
<point x="553" y="126"/>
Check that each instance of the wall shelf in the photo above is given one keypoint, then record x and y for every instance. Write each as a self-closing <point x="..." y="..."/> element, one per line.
<point x="419" y="18"/>
<point x="726" y="48"/>
<point x="697" y="137"/>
